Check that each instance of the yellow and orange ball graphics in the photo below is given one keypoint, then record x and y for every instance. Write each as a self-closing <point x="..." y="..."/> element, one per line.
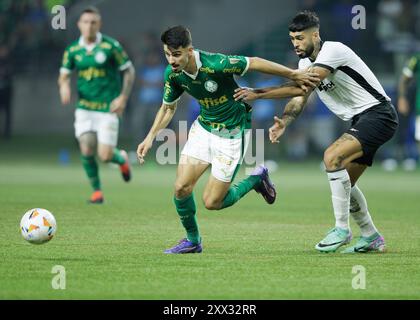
<point x="38" y="226"/>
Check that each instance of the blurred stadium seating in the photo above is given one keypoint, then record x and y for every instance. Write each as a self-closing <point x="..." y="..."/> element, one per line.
<point x="33" y="53"/>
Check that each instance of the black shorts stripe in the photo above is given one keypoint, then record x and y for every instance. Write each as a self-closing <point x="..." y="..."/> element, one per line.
<point x="363" y="83"/>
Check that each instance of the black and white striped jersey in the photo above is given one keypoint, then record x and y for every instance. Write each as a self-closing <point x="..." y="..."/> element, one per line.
<point x="351" y="87"/>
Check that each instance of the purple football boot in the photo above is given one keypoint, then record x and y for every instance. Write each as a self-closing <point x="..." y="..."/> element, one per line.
<point x="265" y="187"/>
<point x="185" y="246"/>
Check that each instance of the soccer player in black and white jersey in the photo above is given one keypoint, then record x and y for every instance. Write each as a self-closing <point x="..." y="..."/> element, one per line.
<point x="351" y="91"/>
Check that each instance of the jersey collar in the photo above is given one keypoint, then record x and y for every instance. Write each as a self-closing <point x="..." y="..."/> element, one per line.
<point x="90" y="46"/>
<point x="198" y="63"/>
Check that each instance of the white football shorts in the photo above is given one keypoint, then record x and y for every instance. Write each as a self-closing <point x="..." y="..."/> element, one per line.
<point x="225" y="155"/>
<point x="104" y="124"/>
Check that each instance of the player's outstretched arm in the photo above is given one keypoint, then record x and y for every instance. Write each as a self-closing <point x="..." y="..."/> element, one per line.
<point x="292" y="110"/>
<point x="162" y="119"/>
<point x="64" y="88"/>
<point x="119" y="103"/>
<point x="287" y="90"/>
<point x="304" y="78"/>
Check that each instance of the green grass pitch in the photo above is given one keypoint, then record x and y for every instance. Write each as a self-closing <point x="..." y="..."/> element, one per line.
<point x="251" y="250"/>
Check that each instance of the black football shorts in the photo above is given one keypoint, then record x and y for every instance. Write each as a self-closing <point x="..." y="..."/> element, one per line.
<point x="373" y="127"/>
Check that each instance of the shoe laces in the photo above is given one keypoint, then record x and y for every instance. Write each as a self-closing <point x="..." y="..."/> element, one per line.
<point x="180" y="243"/>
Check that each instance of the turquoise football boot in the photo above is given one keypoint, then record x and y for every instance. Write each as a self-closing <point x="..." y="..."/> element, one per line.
<point x="335" y="238"/>
<point x="374" y="243"/>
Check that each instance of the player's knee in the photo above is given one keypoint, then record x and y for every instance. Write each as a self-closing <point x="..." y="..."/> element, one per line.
<point x="105" y="156"/>
<point x="182" y="190"/>
<point x="87" y="150"/>
<point x="333" y="160"/>
<point x="211" y="203"/>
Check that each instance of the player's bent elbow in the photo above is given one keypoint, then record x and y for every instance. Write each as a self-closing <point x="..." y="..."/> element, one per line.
<point x="131" y="71"/>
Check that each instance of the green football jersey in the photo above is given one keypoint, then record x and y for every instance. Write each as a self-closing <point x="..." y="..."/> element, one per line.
<point x="213" y="86"/>
<point x="98" y="71"/>
<point x="413" y="69"/>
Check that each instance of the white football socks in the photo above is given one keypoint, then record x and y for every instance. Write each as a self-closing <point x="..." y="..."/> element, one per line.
<point x="360" y="213"/>
<point x="340" y="194"/>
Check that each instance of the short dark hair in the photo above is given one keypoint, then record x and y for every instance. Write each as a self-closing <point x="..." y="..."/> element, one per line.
<point x="90" y="9"/>
<point x="175" y="37"/>
<point x="304" y="20"/>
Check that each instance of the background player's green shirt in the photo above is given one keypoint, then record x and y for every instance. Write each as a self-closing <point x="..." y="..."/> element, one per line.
<point x="98" y="77"/>
<point x="413" y="69"/>
<point x="213" y="86"/>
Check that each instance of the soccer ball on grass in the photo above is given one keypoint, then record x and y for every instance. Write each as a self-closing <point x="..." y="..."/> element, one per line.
<point x="38" y="226"/>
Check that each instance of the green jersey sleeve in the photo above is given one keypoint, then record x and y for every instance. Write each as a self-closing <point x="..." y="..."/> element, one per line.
<point x="411" y="66"/>
<point x="67" y="63"/>
<point x="237" y="65"/>
<point x="120" y="56"/>
<point x="172" y="91"/>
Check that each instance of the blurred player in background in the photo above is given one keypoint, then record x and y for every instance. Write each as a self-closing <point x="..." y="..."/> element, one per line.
<point x="99" y="60"/>
<point x="351" y="91"/>
<point x="410" y="72"/>
<point x="218" y="136"/>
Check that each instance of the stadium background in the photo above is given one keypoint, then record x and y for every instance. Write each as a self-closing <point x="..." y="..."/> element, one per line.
<point x="40" y="164"/>
<point x="255" y="28"/>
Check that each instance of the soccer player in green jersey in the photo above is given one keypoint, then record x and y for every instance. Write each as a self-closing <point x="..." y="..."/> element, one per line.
<point x="218" y="137"/>
<point x="99" y="60"/>
<point x="410" y="71"/>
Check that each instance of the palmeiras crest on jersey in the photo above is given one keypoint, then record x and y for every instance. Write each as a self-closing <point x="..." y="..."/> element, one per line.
<point x="211" y="86"/>
<point x="100" y="57"/>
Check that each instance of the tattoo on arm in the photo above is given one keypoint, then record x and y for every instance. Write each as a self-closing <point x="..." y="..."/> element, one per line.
<point x="293" y="109"/>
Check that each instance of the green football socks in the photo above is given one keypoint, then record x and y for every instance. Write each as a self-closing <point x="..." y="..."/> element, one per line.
<point x="186" y="210"/>
<point x="238" y="190"/>
<point x="117" y="157"/>
<point x="91" y="169"/>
